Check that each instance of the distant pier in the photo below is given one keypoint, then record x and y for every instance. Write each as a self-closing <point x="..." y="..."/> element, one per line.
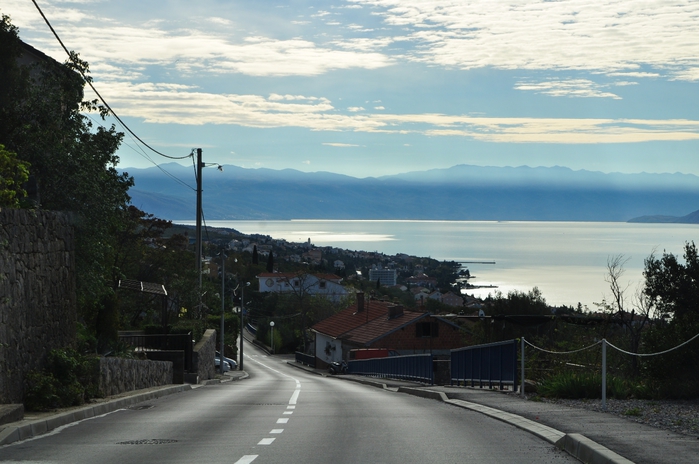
<point x="476" y="262"/>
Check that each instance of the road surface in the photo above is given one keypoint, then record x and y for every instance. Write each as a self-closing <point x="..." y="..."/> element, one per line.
<point x="285" y="415"/>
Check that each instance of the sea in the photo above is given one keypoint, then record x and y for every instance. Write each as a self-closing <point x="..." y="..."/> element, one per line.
<point x="566" y="261"/>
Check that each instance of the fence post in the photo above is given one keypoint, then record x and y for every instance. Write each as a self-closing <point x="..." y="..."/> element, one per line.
<point x="521" y="385"/>
<point x="604" y="374"/>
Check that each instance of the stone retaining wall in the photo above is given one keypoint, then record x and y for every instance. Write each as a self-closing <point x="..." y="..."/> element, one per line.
<point x="37" y="293"/>
<point x="118" y="375"/>
<point x="203" y="356"/>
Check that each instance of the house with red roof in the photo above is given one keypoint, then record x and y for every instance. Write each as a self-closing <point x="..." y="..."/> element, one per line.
<point x="380" y="324"/>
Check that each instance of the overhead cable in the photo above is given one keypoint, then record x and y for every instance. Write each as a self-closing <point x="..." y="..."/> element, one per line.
<point x="89" y="82"/>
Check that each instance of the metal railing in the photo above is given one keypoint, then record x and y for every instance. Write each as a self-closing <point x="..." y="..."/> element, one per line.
<point x="417" y="367"/>
<point x="485" y="364"/>
<point x="162" y="342"/>
<point x="307" y="359"/>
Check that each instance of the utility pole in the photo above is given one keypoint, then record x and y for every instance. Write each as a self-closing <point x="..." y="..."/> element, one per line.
<point x="198" y="230"/>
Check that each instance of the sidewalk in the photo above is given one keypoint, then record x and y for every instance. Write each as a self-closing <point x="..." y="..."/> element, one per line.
<point x="590" y="436"/>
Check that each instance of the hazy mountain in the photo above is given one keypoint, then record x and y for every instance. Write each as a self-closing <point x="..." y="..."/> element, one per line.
<point x="459" y="193"/>
<point x="691" y="218"/>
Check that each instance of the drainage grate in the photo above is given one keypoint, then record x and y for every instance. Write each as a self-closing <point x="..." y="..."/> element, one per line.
<point x="149" y="441"/>
<point x="141" y="407"/>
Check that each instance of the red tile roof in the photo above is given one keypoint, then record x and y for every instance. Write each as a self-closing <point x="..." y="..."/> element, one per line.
<point x="381" y="327"/>
<point x="349" y="319"/>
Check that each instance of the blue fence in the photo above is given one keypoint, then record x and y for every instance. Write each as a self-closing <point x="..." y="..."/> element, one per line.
<point x="411" y="367"/>
<point x="494" y="363"/>
<point x="307" y="359"/>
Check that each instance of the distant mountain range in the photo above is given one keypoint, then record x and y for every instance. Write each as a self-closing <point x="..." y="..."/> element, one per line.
<point x="461" y="192"/>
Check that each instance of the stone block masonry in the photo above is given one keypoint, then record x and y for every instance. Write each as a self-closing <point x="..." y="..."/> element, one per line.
<point x="37" y="293"/>
<point x="118" y="375"/>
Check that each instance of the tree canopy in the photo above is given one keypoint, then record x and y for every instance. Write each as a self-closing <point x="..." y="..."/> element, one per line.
<point x="43" y="119"/>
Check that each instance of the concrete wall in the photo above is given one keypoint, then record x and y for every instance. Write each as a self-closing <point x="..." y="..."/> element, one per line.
<point x="37" y="293"/>
<point x="118" y="375"/>
<point x="203" y="356"/>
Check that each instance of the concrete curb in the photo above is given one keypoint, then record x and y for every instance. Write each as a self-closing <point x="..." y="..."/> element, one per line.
<point x="30" y="429"/>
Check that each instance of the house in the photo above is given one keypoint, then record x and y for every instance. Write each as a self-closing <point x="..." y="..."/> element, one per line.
<point x="326" y="285"/>
<point x="422" y="280"/>
<point x="452" y="299"/>
<point x="379" y="324"/>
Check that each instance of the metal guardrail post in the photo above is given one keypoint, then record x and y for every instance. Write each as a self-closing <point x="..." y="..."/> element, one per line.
<point x="604" y="374"/>
<point x="521" y="385"/>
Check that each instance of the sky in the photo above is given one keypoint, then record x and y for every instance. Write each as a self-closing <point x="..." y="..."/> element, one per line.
<point x="377" y="87"/>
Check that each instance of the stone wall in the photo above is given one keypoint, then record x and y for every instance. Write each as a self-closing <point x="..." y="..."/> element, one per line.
<point x="118" y="375"/>
<point x="37" y="293"/>
<point x="203" y="356"/>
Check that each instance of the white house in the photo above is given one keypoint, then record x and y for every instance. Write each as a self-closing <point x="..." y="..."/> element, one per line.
<point x="327" y="285"/>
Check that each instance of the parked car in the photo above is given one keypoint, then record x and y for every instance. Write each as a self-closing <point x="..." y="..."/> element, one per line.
<point x="232" y="363"/>
<point x="226" y="366"/>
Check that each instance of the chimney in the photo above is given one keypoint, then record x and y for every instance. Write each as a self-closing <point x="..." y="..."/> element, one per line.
<point x="395" y="311"/>
<point x="360" y="302"/>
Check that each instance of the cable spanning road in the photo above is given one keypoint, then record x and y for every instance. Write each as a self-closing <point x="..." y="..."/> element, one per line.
<point x="286" y="415"/>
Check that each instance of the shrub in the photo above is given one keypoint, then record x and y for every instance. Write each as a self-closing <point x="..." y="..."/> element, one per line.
<point x="69" y="379"/>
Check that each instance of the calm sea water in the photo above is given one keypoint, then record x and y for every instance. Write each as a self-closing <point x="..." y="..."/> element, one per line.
<point x="565" y="260"/>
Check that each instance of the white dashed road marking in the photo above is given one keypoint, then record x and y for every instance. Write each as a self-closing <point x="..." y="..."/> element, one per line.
<point x="247" y="459"/>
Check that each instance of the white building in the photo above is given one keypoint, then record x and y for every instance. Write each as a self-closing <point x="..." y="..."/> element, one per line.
<point x="326" y="285"/>
<point x="386" y="276"/>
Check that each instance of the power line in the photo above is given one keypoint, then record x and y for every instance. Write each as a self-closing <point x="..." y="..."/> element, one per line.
<point x="89" y="82"/>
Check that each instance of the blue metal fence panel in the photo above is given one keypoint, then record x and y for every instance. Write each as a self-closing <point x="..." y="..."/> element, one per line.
<point x="307" y="359"/>
<point x="485" y="364"/>
<point x="410" y="367"/>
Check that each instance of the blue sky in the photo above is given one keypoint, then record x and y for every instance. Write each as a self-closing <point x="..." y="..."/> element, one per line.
<point x="376" y="87"/>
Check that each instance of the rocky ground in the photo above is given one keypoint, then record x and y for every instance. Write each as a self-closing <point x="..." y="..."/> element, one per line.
<point x="674" y="415"/>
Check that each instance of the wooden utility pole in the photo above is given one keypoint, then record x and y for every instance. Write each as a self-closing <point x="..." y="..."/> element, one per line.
<point x="198" y="231"/>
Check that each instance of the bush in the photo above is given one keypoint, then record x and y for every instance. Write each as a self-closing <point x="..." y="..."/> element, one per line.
<point x="70" y="379"/>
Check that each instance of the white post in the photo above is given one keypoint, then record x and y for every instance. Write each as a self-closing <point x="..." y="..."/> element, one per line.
<point x="521" y="385"/>
<point x="271" y="324"/>
<point x="604" y="374"/>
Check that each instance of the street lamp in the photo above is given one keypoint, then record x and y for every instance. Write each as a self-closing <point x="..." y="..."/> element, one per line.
<point x="223" y="300"/>
<point x="242" y="321"/>
<point x="271" y="324"/>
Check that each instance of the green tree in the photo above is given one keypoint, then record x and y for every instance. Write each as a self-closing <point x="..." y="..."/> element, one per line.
<point x="43" y="120"/>
<point x="270" y="262"/>
<point x="13" y="173"/>
<point x="672" y="288"/>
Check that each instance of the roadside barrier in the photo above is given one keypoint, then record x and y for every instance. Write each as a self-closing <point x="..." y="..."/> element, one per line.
<point x="604" y="344"/>
<point x="417" y="367"/>
<point x="486" y="364"/>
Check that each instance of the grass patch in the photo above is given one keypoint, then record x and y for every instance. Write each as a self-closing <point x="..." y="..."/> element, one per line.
<point x="635" y="412"/>
<point x="578" y="385"/>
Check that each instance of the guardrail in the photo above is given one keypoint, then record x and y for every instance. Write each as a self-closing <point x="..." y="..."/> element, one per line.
<point x="485" y="364"/>
<point x="307" y="359"/>
<point x="417" y="367"/>
<point x="162" y="342"/>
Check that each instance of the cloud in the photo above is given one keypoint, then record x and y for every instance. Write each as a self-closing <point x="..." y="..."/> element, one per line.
<point x="610" y="36"/>
<point x="355" y="109"/>
<point x="342" y="145"/>
<point x="582" y="88"/>
<point x="379" y="108"/>
<point x="187" y="105"/>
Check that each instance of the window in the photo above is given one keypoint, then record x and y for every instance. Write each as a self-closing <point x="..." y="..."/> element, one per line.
<point x="321" y="284"/>
<point x="426" y="330"/>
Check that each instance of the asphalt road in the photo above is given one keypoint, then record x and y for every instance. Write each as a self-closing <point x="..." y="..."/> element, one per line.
<point x="286" y="415"/>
